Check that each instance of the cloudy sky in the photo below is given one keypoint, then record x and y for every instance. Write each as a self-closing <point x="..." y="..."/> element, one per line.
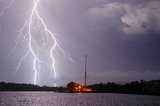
<point x="120" y="37"/>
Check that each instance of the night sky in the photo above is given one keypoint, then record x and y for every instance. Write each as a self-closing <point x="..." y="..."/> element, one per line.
<point x="120" y="37"/>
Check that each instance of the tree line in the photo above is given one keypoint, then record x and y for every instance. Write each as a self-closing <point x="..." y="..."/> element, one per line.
<point x="136" y="87"/>
<point x="27" y="87"/>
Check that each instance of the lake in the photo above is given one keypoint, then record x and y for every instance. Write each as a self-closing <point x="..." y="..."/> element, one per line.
<point x="75" y="99"/>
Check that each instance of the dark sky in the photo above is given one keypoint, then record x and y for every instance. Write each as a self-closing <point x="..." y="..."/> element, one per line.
<point x="120" y="37"/>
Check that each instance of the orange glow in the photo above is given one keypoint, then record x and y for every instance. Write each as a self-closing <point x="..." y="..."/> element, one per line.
<point x="80" y="88"/>
<point x="87" y="89"/>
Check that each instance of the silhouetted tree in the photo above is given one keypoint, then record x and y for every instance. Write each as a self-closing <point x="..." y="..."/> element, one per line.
<point x="70" y="86"/>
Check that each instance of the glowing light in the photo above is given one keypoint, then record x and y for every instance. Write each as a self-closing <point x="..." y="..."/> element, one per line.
<point x="80" y="88"/>
<point x="35" y="49"/>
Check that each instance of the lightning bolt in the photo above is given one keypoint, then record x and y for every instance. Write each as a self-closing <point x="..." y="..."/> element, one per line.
<point x="7" y="7"/>
<point x="27" y="33"/>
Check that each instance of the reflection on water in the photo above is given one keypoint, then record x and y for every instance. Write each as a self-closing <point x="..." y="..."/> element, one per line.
<point x="73" y="99"/>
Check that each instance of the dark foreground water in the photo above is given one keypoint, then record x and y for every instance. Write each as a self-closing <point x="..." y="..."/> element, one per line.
<point x="70" y="99"/>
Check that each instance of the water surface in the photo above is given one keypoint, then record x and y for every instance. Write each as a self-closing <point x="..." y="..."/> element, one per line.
<point x="75" y="99"/>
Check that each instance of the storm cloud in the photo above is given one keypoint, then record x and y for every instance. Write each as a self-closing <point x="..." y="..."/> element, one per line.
<point x="120" y="37"/>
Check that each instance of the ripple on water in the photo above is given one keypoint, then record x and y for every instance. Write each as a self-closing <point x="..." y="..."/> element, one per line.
<point x="75" y="99"/>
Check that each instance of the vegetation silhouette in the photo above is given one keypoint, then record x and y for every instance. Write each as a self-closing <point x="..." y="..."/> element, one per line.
<point x="28" y="87"/>
<point x="136" y="87"/>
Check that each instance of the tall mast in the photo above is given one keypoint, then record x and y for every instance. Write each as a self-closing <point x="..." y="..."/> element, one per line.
<point x="85" y="70"/>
